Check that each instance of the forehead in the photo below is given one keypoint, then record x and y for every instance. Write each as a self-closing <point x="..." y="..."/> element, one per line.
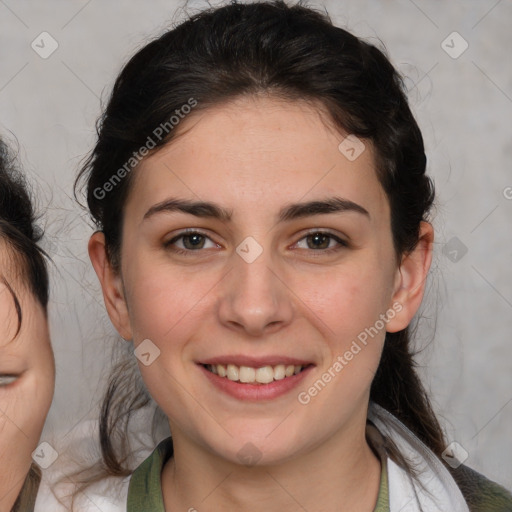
<point x="12" y="266"/>
<point x="9" y="318"/>
<point x="14" y="293"/>
<point x="254" y="151"/>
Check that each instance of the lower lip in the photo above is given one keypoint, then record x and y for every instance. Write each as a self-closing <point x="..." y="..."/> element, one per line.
<point x="256" y="392"/>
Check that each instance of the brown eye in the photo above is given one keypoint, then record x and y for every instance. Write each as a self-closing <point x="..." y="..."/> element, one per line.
<point x="191" y="241"/>
<point x="195" y="241"/>
<point x="321" y="241"/>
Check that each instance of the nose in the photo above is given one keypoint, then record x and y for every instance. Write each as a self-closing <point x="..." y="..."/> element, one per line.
<point x="255" y="297"/>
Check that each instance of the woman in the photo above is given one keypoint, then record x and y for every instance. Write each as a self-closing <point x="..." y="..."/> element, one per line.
<point x="27" y="368"/>
<point x="260" y="192"/>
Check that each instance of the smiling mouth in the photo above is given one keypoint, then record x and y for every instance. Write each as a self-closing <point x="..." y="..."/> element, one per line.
<point x="249" y="375"/>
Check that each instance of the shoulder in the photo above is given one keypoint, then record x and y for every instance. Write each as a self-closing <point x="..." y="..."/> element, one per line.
<point x="58" y="482"/>
<point x="78" y="451"/>
<point x="145" y="486"/>
<point x="480" y="493"/>
<point x="108" y="495"/>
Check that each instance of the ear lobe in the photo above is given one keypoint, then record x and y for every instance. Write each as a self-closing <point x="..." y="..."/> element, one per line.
<point x="111" y="285"/>
<point x="411" y="279"/>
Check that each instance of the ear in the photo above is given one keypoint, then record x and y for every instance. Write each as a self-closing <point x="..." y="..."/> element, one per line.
<point x="111" y="285"/>
<point x="410" y="279"/>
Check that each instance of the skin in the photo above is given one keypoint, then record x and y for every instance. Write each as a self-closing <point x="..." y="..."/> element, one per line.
<point x="255" y="155"/>
<point x="24" y="401"/>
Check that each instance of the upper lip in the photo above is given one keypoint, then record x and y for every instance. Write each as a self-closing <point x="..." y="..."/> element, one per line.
<point x="255" y="362"/>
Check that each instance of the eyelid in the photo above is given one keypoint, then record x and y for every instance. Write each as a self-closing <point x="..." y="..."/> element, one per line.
<point x="185" y="232"/>
<point x="326" y="232"/>
<point x="341" y="243"/>
<point x="5" y="380"/>
<point x="323" y="231"/>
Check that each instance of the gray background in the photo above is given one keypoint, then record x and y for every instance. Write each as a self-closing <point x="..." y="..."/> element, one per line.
<point x="463" y="106"/>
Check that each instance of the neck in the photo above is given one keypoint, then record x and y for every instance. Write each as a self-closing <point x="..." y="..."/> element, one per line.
<point x="342" y="474"/>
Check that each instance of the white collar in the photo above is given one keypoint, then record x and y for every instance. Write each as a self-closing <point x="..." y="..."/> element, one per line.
<point x="436" y="490"/>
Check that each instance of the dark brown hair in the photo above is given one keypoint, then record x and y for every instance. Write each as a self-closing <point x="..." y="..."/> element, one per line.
<point x="19" y="231"/>
<point x="293" y="53"/>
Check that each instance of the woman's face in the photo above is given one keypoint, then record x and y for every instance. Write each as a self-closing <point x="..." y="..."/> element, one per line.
<point x="27" y="374"/>
<point x="259" y="289"/>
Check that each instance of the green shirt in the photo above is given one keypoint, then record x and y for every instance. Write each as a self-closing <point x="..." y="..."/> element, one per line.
<point x="481" y="494"/>
<point x="145" y="488"/>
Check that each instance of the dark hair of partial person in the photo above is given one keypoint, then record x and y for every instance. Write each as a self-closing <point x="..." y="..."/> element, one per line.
<point x="293" y="53"/>
<point x="18" y="230"/>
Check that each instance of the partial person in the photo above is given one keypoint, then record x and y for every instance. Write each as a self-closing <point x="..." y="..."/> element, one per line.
<point x="27" y="367"/>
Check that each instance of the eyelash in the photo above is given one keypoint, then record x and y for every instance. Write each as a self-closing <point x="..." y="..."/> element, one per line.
<point x="187" y="252"/>
<point x="9" y="378"/>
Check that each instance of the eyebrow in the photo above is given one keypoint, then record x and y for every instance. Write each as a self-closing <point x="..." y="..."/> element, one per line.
<point x="206" y="209"/>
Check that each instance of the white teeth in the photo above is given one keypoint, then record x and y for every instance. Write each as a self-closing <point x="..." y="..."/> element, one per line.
<point x="232" y="372"/>
<point x="289" y="370"/>
<point x="248" y="375"/>
<point x="279" y="372"/>
<point x="264" y="375"/>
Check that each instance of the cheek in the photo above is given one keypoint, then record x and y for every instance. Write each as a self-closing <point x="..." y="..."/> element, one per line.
<point x="348" y="300"/>
<point x="25" y="406"/>
<point x="350" y="308"/>
<point x="164" y="299"/>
